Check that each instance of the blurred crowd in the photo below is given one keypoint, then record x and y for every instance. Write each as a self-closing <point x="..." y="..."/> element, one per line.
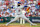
<point x="7" y="8"/>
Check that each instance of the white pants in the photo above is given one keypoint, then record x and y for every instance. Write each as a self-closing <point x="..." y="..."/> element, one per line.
<point x="20" y="16"/>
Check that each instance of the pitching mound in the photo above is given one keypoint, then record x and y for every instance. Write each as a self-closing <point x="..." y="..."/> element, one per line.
<point x="14" y="26"/>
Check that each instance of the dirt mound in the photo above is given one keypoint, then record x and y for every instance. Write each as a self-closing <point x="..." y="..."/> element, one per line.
<point x="14" y="26"/>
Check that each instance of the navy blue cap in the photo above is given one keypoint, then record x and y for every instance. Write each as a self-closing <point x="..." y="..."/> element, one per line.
<point x="25" y="6"/>
<point x="18" y="2"/>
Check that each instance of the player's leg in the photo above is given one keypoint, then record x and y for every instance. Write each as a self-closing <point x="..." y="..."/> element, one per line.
<point x="13" y="20"/>
<point x="24" y="17"/>
<point x="23" y="21"/>
<point x="20" y="20"/>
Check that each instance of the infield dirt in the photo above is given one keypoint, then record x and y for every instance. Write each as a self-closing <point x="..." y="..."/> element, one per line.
<point x="14" y="26"/>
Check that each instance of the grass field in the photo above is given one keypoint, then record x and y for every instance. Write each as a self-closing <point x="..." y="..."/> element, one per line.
<point x="18" y="25"/>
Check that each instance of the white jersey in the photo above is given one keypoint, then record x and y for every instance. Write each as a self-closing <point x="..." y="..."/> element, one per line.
<point x="18" y="9"/>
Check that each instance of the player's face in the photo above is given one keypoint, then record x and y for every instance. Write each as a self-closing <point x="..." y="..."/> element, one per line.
<point x="19" y="4"/>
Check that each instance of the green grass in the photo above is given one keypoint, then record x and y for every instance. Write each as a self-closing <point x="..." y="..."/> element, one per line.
<point x="2" y="23"/>
<point x="27" y="24"/>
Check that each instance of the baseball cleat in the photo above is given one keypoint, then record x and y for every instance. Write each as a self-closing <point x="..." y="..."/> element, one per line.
<point x="33" y="24"/>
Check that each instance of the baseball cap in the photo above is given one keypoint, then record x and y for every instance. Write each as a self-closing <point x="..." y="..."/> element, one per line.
<point x="19" y="3"/>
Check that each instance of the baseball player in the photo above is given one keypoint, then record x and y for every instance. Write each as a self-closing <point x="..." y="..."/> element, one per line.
<point x="19" y="13"/>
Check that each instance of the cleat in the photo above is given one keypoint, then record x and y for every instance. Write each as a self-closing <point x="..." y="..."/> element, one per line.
<point x="6" y="24"/>
<point x="33" y="24"/>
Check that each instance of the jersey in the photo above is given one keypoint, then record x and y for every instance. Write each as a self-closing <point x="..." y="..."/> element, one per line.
<point x="18" y="9"/>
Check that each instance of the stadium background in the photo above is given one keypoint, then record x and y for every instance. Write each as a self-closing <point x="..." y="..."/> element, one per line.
<point x="6" y="6"/>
